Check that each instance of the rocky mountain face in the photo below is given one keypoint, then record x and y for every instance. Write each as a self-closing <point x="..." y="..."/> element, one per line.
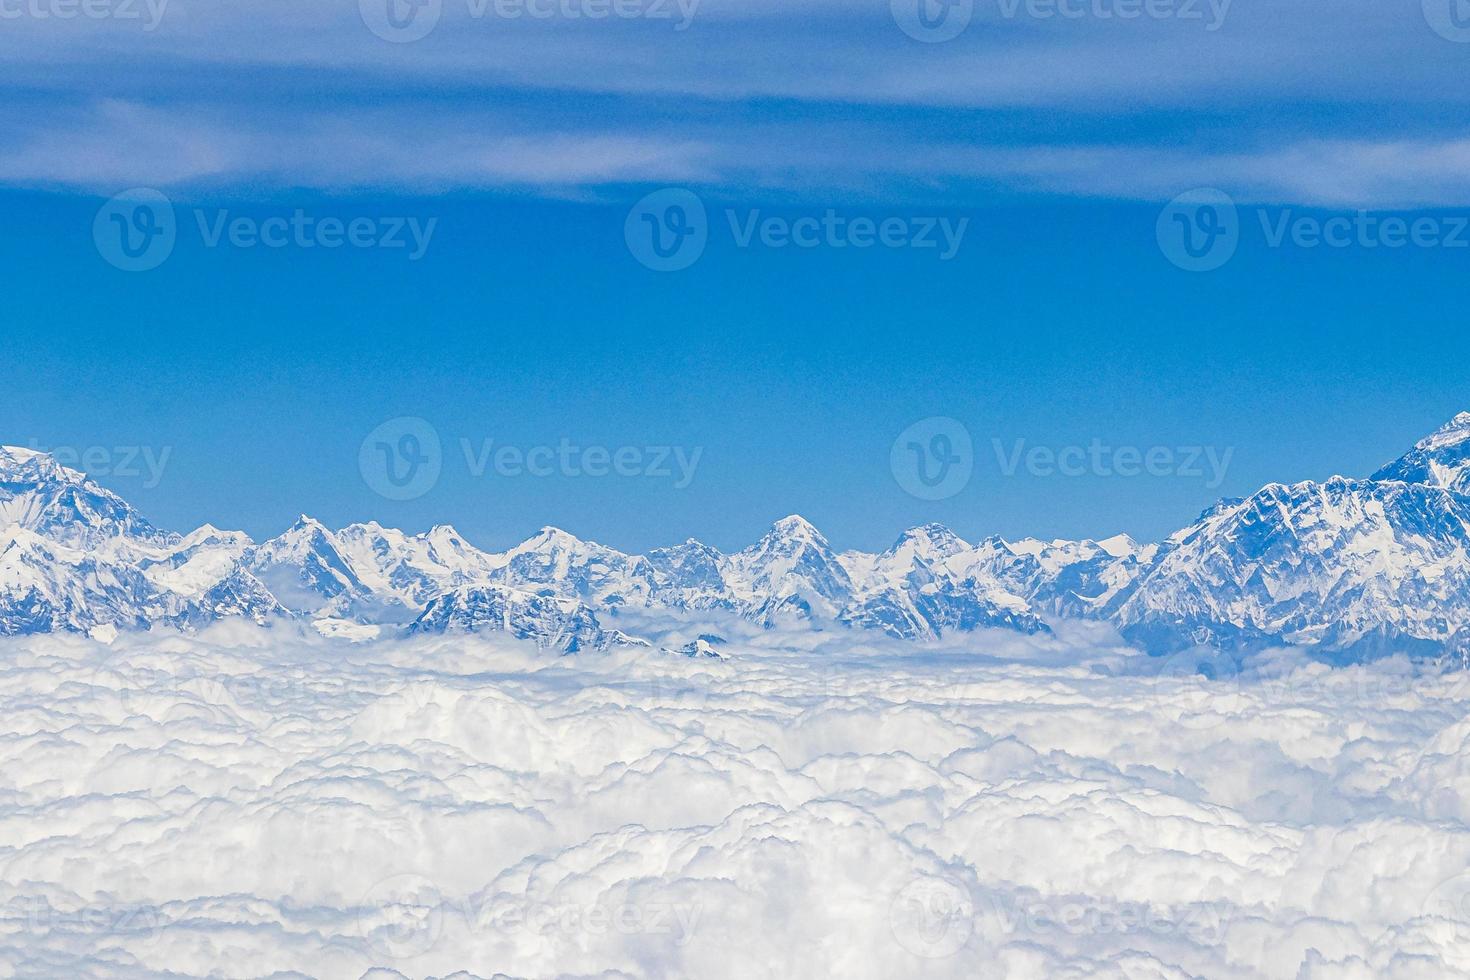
<point x="552" y="623"/>
<point x="1359" y="566"/>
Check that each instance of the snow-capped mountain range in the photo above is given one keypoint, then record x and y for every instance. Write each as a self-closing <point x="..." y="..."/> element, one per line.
<point x="1350" y="565"/>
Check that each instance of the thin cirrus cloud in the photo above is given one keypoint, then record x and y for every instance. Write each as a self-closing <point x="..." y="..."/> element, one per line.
<point x="128" y="143"/>
<point x="1337" y="104"/>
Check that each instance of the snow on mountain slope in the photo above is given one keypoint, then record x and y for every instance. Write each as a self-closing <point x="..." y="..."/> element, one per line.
<point x="411" y="569"/>
<point x="581" y="569"/>
<point x="1347" y="564"/>
<point x="47" y="586"/>
<point x="62" y="505"/>
<point x="1440" y="460"/>
<point x="790" y="573"/>
<point x="74" y="556"/>
<point x="922" y="588"/>
<point x="691" y="576"/>
<point x="196" y="563"/>
<point x="550" y="622"/>
<point x="305" y="569"/>
<point x="1083" y="579"/>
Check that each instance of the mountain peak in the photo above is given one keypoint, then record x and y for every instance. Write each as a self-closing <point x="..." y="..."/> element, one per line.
<point x="19" y="454"/>
<point x="29" y="464"/>
<point x="1452" y="433"/>
<point x="1119" y="545"/>
<point x="929" y="540"/>
<point x="795" y="525"/>
<point x="445" y="534"/>
<point x="1441" y="459"/>
<point x="551" y="536"/>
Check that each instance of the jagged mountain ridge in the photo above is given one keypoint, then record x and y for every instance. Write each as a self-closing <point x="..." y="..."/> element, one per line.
<point x="1345" y="564"/>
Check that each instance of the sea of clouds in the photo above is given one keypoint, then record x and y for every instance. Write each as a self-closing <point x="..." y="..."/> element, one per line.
<point x="248" y="803"/>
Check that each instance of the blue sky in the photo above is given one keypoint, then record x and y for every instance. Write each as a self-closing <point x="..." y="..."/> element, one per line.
<point x="1058" y="322"/>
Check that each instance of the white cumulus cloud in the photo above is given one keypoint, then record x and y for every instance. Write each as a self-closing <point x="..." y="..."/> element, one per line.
<point x="252" y="802"/>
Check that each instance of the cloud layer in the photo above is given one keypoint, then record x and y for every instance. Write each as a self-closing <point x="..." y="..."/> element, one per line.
<point x="247" y="802"/>
<point x="1316" y="102"/>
